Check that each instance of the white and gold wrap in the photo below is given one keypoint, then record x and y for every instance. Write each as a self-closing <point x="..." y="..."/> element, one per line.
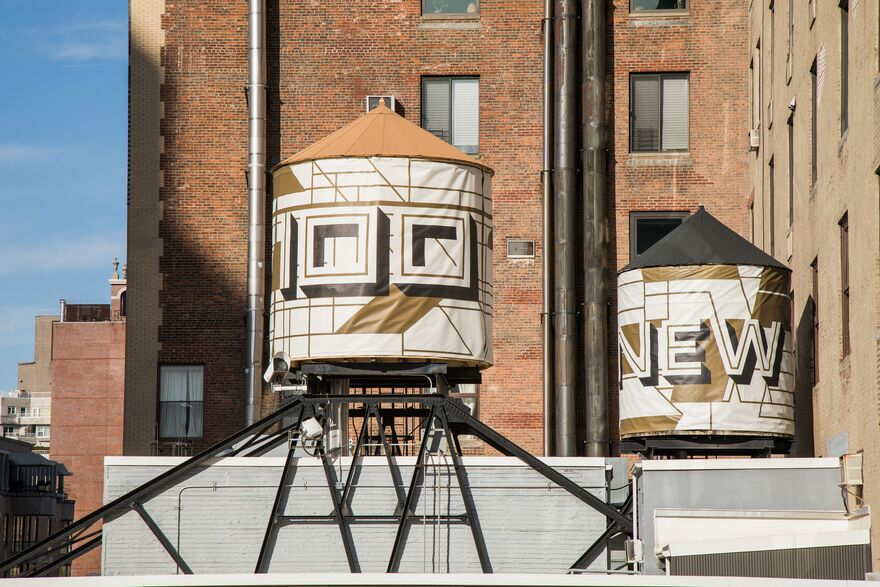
<point x="382" y="258"/>
<point x="705" y="350"/>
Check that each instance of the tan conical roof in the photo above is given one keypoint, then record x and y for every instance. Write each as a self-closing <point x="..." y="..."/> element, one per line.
<point x="382" y="133"/>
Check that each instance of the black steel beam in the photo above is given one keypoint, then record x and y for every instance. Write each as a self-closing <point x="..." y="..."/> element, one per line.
<point x="505" y="446"/>
<point x="355" y="460"/>
<point x="63" y="560"/>
<point x="160" y="536"/>
<point x="396" y="479"/>
<point x="120" y="505"/>
<point x="417" y="475"/>
<point x="466" y="495"/>
<point x="347" y="540"/>
<point x="265" y="554"/>
<point x="595" y="549"/>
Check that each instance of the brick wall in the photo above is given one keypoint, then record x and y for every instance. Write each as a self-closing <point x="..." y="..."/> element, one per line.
<point x="88" y="371"/>
<point x="324" y="58"/>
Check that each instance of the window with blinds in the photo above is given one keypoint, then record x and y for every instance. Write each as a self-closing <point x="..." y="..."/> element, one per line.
<point x="181" y="390"/>
<point x="451" y="110"/>
<point x="658" y="5"/>
<point x="659" y="112"/>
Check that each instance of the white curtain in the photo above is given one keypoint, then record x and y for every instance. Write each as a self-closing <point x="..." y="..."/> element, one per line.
<point x="675" y="113"/>
<point x="180" y="401"/>
<point x="466" y="114"/>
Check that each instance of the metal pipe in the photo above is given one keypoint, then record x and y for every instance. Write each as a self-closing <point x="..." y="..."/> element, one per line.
<point x="564" y="196"/>
<point x="595" y="346"/>
<point x="547" y="231"/>
<point x="256" y="94"/>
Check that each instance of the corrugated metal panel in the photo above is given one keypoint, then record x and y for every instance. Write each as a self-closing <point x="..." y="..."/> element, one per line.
<point x="828" y="562"/>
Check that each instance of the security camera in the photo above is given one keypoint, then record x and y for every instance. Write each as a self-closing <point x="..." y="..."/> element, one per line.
<point x="278" y="368"/>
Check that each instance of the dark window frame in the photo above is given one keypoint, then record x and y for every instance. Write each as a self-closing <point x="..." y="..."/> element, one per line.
<point x="844" y="66"/>
<point x="846" y="347"/>
<point x="772" y="196"/>
<point x="464" y="14"/>
<point x="660" y="76"/>
<point x="814" y="109"/>
<point x="633" y="11"/>
<point x="814" y="307"/>
<point x="636" y="215"/>
<point x="449" y="79"/>
<point x="159" y="402"/>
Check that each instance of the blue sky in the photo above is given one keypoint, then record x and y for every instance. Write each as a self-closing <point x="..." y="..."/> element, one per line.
<point x="63" y="157"/>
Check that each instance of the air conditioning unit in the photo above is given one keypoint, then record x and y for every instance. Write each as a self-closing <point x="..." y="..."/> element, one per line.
<point x="754" y="139"/>
<point x="373" y="101"/>
<point x="633" y="550"/>
<point x="851" y="469"/>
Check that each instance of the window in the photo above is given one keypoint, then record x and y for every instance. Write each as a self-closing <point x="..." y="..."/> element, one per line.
<point x="791" y="171"/>
<point x="450" y="6"/>
<point x="8" y="431"/>
<point x="646" y="228"/>
<point x="772" y="170"/>
<point x="24" y="410"/>
<point x="659" y="112"/>
<point x="844" y="66"/>
<point x="658" y="5"/>
<point x="180" y="401"/>
<point x="752" y="219"/>
<point x="10" y="410"/>
<point x="42" y="431"/>
<point x="814" y="147"/>
<point x="790" y="27"/>
<point x="756" y="87"/>
<point x="814" y="359"/>
<point x="123" y="300"/>
<point x="451" y="110"/>
<point x="811" y="11"/>
<point x="844" y="283"/>
<point x="772" y="43"/>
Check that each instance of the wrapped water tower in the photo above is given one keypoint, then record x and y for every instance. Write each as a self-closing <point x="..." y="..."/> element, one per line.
<point x="382" y="249"/>
<point x="705" y="339"/>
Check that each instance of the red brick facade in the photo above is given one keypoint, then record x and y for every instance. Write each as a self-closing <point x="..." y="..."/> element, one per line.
<point x="324" y="58"/>
<point x="88" y="374"/>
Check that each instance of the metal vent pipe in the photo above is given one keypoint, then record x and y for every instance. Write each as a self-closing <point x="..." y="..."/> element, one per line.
<point x="564" y="199"/>
<point x="256" y="94"/>
<point x="547" y="231"/>
<point x="595" y="229"/>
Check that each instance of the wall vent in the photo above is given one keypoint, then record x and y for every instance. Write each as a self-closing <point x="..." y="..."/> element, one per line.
<point x="520" y="249"/>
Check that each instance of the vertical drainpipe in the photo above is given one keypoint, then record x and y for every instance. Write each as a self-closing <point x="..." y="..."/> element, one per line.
<point x="547" y="230"/>
<point x="595" y="229"/>
<point x="256" y="94"/>
<point x="564" y="196"/>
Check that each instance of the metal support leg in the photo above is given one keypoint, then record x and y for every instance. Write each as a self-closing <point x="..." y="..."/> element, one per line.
<point x="347" y="540"/>
<point x="466" y="496"/>
<point x="392" y="464"/>
<point x="508" y="448"/>
<point x="287" y="474"/>
<point x="160" y="536"/>
<point x="417" y="477"/>
<point x="355" y="461"/>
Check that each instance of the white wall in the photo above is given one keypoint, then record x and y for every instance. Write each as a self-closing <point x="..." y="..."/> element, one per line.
<point x="218" y="517"/>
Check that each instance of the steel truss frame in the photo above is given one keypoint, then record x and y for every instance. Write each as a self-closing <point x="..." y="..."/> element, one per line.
<point x="442" y="415"/>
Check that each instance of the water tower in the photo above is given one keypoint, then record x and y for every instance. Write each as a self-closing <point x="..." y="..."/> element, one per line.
<point x="705" y="346"/>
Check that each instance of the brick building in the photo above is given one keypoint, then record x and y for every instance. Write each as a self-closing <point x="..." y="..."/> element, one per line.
<point x="815" y="115"/>
<point x="678" y="67"/>
<point x="88" y="375"/>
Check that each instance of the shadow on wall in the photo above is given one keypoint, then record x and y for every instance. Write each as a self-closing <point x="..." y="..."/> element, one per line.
<point x="803" y="398"/>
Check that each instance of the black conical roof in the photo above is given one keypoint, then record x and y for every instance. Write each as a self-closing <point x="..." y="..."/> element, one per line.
<point x="703" y="240"/>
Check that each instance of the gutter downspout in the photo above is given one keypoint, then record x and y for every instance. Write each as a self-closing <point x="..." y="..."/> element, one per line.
<point x="564" y="199"/>
<point x="595" y="229"/>
<point x="256" y="94"/>
<point x="547" y="230"/>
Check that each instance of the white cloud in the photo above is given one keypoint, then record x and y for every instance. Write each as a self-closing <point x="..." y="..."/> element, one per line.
<point x="85" y="41"/>
<point x="14" y="153"/>
<point x="61" y="253"/>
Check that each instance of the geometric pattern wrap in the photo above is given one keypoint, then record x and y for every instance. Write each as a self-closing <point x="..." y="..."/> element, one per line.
<point x="382" y="258"/>
<point x="705" y="350"/>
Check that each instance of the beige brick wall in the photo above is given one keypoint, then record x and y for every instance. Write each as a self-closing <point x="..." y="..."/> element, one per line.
<point x="846" y="399"/>
<point x="36" y="376"/>
<point x="147" y="39"/>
